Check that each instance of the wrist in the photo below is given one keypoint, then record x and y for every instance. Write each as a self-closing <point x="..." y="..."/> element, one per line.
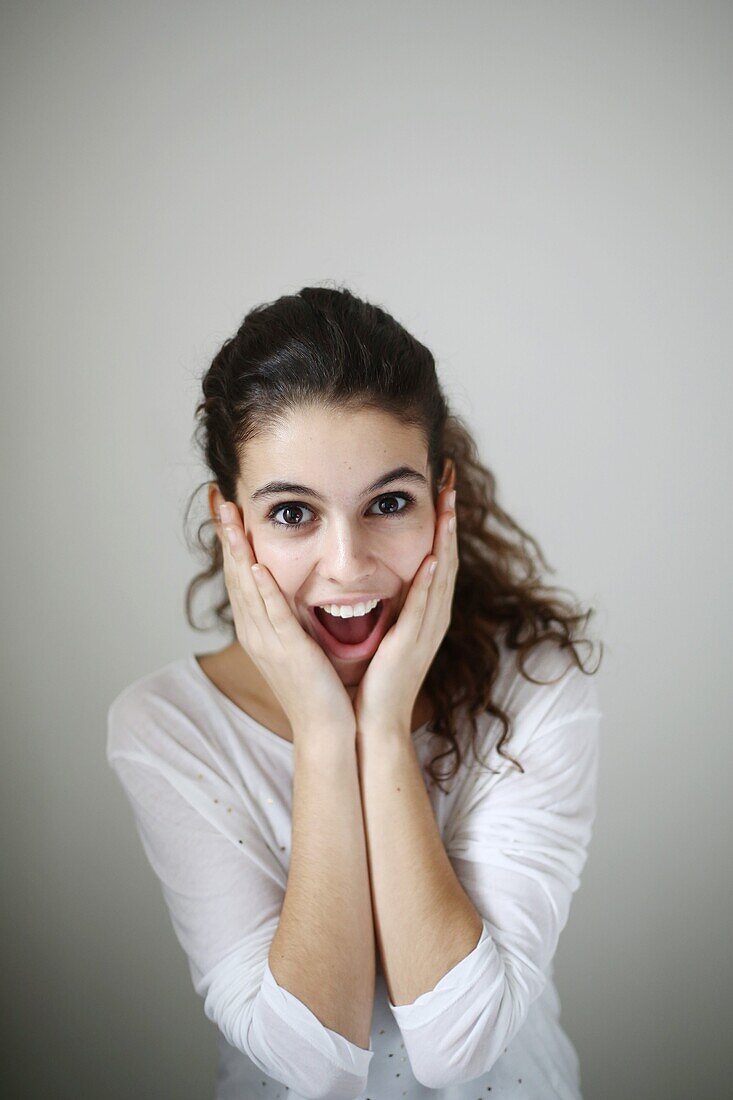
<point x="324" y="740"/>
<point x="388" y="734"/>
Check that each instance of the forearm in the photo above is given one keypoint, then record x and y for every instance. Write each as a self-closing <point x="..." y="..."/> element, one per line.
<point x="323" y="951"/>
<point x="424" y="921"/>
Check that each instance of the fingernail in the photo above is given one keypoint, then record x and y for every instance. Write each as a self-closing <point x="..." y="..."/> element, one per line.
<point x="432" y="568"/>
<point x="452" y="499"/>
<point x="452" y="524"/>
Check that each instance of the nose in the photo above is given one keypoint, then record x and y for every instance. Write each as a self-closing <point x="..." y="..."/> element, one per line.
<point x="346" y="559"/>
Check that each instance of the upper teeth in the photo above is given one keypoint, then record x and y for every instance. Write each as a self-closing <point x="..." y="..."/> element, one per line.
<point x="347" y="612"/>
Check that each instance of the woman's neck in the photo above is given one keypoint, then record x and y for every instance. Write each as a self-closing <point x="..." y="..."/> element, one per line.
<point x="236" y="675"/>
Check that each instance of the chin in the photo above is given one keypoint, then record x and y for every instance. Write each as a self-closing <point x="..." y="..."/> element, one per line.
<point x="350" y="674"/>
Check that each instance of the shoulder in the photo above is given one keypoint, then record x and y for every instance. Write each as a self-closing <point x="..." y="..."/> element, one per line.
<point x="154" y="714"/>
<point x="549" y="692"/>
<point x="551" y="687"/>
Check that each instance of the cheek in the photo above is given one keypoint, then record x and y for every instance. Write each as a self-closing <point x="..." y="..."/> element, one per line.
<point x="286" y="564"/>
<point x="290" y="564"/>
<point x="411" y="551"/>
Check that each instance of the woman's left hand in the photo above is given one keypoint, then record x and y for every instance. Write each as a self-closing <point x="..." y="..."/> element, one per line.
<point x="386" y="695"/>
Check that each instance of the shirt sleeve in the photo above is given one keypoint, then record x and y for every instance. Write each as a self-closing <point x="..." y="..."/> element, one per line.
<point x="224" y="892"/>
<point x="518" y="845"/>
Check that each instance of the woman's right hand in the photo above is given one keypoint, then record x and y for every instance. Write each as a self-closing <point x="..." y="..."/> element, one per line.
<point x="298" y="671"/>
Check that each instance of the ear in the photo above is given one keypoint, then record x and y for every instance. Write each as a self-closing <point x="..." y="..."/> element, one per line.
<point x="215" y="499"/>
<point x="448" y="479"/>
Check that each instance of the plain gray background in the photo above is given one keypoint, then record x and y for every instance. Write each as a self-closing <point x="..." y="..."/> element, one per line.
<point x="541" y="192"/>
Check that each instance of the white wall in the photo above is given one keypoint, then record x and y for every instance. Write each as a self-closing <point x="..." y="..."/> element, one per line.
<point x="541" y="193"/>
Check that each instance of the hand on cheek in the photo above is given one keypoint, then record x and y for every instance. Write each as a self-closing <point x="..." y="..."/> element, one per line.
<point x="385" y="701"/>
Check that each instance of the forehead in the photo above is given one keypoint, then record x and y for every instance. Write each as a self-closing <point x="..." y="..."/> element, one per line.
<point x="334" y="451"/>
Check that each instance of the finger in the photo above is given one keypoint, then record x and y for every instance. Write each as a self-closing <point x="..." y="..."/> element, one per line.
<point x="241" y="555"/>
<point x="441" y="522"/>
<point x="272" y="607"/>
<point x="237" y="560"/>
<point x="284" y="622"/>
<point x="445" y="553"/>
<point x="446" y="536"/>
<point x="237" y="554"/>
<point x="250" y="627"/>
<point x="454" y="532"/>
<point x="412" y="615"/>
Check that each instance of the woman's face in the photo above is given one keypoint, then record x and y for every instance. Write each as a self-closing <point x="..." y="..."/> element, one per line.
<point x="343" y="524"/>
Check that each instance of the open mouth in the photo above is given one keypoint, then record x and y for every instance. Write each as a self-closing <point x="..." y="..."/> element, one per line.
<point x="355" y="638"/>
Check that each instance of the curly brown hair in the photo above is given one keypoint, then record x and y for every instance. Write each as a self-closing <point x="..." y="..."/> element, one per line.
<point x="329" y="347"/>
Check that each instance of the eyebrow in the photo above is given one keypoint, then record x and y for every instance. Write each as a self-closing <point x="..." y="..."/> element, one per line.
<point x="400" y="473"/>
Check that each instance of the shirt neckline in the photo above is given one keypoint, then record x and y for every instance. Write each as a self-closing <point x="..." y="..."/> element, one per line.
<point x="243" y="716"/>
<point x="233" y="708"/>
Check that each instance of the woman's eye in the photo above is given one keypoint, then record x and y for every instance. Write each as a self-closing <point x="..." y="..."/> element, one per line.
<point x="389" y="500"/>
<point x="291" y="512"/>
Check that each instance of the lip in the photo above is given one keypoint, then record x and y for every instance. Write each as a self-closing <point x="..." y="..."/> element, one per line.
<point x="363" y="650"/>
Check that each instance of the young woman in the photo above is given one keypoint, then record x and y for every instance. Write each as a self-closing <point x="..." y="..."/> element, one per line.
<point x="358" y="924"/>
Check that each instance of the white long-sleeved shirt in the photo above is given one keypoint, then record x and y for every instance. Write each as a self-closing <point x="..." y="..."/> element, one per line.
<point x="211" y="793"/>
